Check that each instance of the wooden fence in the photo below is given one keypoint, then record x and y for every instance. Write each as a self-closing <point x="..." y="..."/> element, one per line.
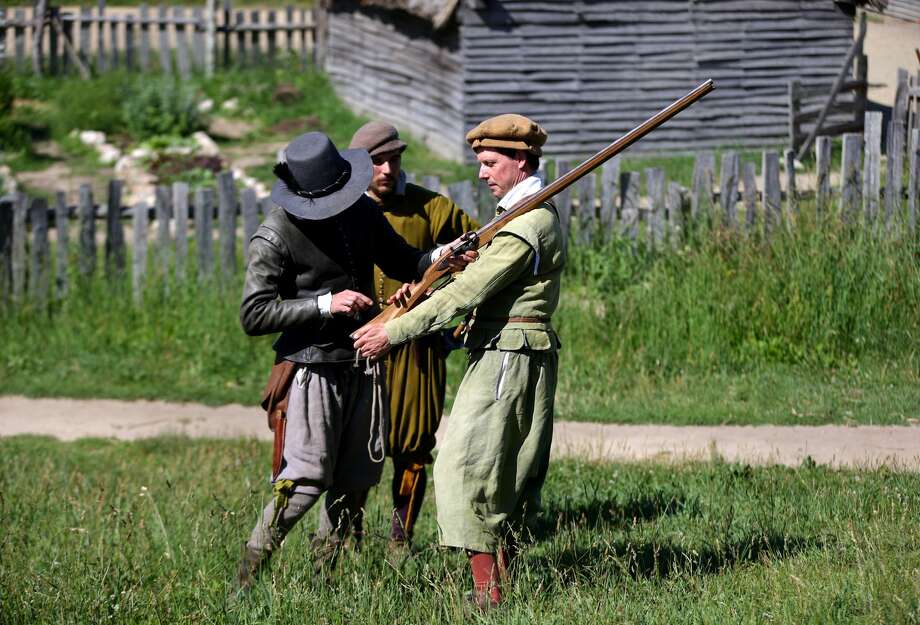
<point x="172" y="39"/>
<point x="602" y="205"/>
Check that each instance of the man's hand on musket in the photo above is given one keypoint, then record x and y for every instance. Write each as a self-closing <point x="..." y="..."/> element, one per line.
<point x="372" y="341"/>
<point x="349" y="303"/>
<point x="461" y="260"/>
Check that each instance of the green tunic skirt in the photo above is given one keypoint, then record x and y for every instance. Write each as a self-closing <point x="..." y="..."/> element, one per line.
<point x="493" y="461"/>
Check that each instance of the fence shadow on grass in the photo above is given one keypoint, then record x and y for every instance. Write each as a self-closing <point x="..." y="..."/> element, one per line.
<point x="603" y="513"/>
<point x="657" y="559"/>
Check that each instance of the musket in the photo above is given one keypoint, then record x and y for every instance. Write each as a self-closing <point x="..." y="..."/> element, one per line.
<point x="437" y="273"/>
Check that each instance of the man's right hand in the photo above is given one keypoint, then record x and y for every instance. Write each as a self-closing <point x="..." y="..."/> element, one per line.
<point x="349" y="303"/>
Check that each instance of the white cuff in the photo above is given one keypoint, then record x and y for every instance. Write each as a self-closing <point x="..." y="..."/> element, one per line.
<point x="436" y="253"/>
<point x="324" y="303"/>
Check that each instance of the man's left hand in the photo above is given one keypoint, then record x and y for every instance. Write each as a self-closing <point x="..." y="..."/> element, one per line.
<point x="372" y="341"/>
<point x="457" y="263"/>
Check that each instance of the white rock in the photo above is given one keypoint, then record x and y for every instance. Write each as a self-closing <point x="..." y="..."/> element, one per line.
<point x="230" y="105"/>
<point x="141" y="153"/>
<point x="124" y="164"/>
<point x="206" y="106"/>
<point x="179" y="149"/>
<point x="206" y="145"/>
<point x="108" y="153"/>
<point x="92" y="137"/>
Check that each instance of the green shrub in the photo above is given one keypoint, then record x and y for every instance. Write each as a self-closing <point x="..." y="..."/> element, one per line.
<point x="13" y="137"/>
<point x="6" y="94"/>
<point x="80" y="105"/>
<point x="162" y="106"/>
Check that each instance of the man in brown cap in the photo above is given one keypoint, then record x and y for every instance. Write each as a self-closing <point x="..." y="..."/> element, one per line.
<point x="416" y="372"/>
<point x="493" y="460"/>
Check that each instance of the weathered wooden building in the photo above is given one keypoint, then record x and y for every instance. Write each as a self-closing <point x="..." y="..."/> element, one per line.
<point x="588" y="70"/>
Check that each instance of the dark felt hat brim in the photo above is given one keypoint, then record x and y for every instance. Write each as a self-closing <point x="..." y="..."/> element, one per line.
<point x="334" y="203"/>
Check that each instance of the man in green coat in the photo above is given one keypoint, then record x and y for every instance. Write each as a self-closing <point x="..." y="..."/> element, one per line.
<point x="493" y="461"/>
<point x="416" y="372"/>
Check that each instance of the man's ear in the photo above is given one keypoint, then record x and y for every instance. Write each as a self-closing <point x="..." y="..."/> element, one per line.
<point x="521" y="157"/>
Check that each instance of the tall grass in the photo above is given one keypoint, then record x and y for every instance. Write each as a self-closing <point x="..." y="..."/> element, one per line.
<point x="813" y="324"/>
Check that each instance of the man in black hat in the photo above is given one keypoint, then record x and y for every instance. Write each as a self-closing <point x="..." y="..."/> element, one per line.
<point x="310" y="277"/>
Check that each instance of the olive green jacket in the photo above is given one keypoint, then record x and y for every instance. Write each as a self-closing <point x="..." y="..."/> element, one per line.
<point x="517" y="275"/>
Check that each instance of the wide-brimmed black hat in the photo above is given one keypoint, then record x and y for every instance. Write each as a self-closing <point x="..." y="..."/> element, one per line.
<point x="316" y="180"/>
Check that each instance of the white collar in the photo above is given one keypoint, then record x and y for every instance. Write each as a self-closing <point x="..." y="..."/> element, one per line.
<point x="526" y="187"/>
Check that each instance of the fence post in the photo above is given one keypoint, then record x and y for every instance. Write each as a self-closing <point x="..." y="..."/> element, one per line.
<point x="20" y="235"/>
<point x="629" y="214"/>
<point x="144" y="14"/>
<point x="6" y="249"/>
<point x="226" y="210"/>
<point x="896" y="133"/>
<point x="674" y="205"/>
<point x="181" y="29"/>
<point x="206" y="36"/>
<point x="749" y="195"/>
<point x="913" y="185"/>
<point x="249" y="206"/>
<point x="850" y="179"/>
<point x="115" y="234"/>
<point x="703" y="176"/>
<point x="141" y="218"/>
<point x="272" y="35"/>
<point x="289" y="23"/>
<point x="180" y="208"/>
<point x="38" y="275"/>
<point x="165" y="55"/>
<point x="86" y="24"/>
<point x="823" y="166"/>
<point x="728" y="187"/>
<point x="872" y="165"/>
<point x="241" y="60"/>
<point x="86" y="212"/>
<point x="62" y="225"/>
<point x="485" y="203"/>
<point x="772" y="193"/>
<point x="101" y="64"/>
<point x="39" y="280"/>
<point x="586" y="210"/>
<point x="162" y="211"/>
<point x="130" y="38"/>
<point x="564" y="199"/>
<point x="54" y="65"/>
<point x="203" y="40"/>
<point x="792" y="203"/>
<point x="432" y="183"/>
<point x="266" y="205"/>
<point x="19" y="37"/>
<point x="204" y="211"/>
<point x="228" y="31"/>
<point x="462" y="195"/>
<point x="113" y="42"/>
<point x="655" y="187"/>
<point x="794" y="87"/>
<point x="610" y="190"/>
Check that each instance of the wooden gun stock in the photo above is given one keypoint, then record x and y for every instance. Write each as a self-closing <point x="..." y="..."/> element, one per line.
<point x="440" y="269"/>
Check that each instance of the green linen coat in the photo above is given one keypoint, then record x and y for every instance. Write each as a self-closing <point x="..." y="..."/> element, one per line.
<point x="493" y="461"/>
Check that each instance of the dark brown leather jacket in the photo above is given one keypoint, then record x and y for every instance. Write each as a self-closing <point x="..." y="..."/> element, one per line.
<point x="293" y="261"/>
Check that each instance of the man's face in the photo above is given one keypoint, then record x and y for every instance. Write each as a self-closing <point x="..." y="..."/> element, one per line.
<point x="386" y="173"/>
<point x="499" y="171"/>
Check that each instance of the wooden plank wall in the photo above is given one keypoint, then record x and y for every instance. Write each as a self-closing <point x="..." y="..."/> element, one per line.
<point x="590" y="71"/>
<point x="392" y="65"/>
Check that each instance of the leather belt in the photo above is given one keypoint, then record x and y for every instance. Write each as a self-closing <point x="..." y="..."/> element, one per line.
<point x="513" y="319"/>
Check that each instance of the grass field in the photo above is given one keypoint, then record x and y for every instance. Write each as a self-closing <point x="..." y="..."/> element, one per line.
<point x="149" y="532"/>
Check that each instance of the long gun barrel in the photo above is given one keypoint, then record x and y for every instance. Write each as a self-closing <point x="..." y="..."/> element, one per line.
<point x="474" y="240"/>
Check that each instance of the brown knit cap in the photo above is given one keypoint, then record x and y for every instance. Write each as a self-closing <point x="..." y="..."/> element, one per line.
<point x="377" y="138"/>
<point x="508" y="131"/>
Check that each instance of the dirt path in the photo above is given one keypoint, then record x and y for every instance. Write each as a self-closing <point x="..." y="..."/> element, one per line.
<point x="897" y="446"/>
